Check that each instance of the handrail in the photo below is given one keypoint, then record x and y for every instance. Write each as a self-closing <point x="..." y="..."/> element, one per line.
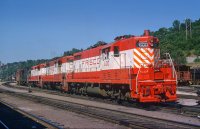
<point x="137" y="80"/>
<point x="171" y="64"/>
<point x="130" y="83"/>
<point x="173" y="68"/>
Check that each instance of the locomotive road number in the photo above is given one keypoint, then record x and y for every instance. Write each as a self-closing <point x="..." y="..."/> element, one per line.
<point x="142" y="44"/>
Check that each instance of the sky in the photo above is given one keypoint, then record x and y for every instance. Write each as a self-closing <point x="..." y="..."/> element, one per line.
<point x="43" y="29"/>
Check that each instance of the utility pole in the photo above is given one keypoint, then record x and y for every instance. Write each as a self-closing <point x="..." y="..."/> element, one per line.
<point x="186" y="31"/>
<point x="188" y="28"/>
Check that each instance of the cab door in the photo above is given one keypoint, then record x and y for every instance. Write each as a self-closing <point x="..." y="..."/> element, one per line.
<point x="105" y="58"/>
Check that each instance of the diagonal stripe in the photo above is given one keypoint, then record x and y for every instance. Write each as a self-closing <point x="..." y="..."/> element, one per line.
<point x="138" y="57"/>
<point x="142" y="61"/>
<point x="144" y="56"/>
<point x="137" y="61"/>
<point x="136" y="65"/>
<point x="151" y="56"/>
<point x="150" y="52"/>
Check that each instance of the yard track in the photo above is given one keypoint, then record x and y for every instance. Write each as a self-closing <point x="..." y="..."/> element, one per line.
<point x="122" y="118"/>
<point x="25" y="117"/>
<point x="119" y="117"/>
<point x="192" y="111"/>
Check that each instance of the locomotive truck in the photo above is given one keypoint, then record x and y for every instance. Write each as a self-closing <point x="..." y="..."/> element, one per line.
<point x="128" y="68"/>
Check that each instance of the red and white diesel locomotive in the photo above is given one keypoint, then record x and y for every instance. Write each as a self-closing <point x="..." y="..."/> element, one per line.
<point x="128" y="68"/>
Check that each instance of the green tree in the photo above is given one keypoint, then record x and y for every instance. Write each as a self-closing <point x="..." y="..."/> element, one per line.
<point x="72" y="51"/>
<point x="176" y="25"/>
<point x="99" y="43"/>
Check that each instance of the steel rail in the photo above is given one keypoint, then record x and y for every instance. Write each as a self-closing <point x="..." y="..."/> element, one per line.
<point x="119" y="117"/>
<point x="193" y="111"/>
<point x="44" y="122"/>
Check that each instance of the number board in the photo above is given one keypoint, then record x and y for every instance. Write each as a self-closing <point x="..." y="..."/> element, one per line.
<point x="142" y="44"/>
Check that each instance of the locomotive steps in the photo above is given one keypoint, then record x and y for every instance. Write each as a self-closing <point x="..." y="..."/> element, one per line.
<point x="118" y="114"/>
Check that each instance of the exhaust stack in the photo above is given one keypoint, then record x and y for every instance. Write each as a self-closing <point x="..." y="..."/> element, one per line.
<point x="146" y="32"/>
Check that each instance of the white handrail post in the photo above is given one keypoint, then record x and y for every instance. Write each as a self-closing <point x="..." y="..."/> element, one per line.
<point x="130" y="83"/>
<point x="173" y="68"/>
<point x="137" y="79"/>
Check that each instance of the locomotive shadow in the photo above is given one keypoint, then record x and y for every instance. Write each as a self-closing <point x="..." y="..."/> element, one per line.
<point x="151" y="106"/>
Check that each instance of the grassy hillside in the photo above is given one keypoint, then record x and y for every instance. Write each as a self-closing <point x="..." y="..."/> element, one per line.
<point x="173" y="40"/>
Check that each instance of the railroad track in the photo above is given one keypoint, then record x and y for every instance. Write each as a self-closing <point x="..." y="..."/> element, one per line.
<point x="119" y="117"/>
<point x="39" y="121"/>
<point x="188" y="89"/>
<point x="192" y="111"/>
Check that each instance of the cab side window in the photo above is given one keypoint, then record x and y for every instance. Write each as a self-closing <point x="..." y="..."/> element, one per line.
<point x="116" y="51"/>
<point x="105" y="53"/>
<point x="77" y="57"/>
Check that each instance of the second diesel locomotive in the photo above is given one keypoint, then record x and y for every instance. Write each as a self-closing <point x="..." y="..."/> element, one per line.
<point x="128" y="68"/>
